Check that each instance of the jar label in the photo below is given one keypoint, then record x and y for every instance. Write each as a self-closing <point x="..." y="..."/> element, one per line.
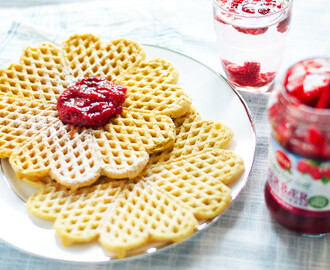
<point x="298" y="184"/>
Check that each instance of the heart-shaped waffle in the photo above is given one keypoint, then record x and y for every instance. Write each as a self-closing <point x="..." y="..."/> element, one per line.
<point x="193" y="136"/>
<point x="177" y="190"/>
<point x="40" y="145"/>
<point x="142" y="214"/>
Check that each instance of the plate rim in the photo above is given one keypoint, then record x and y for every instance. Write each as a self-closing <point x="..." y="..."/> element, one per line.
<point x="241" y="186"/>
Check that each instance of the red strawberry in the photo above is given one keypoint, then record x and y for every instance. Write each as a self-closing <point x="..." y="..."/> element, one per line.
<point x="248" y="9"/>
<point x="283" y="160"/>
<point x="246" y="75"/>
<point x="295" y="87"/>
<point x="251" y="70"/>
<point x="283" y="26"/>
<point x="251" y="31"/>
<point x="263" y="11"/>
<point x="314" y="85"/>
<point x="235" y="3"/>
<point x="326" y="172"/>
<point x="303" y="166"/>
<point x="315" y="172"/>
<point x="324" y="99"/>
<point x="265" y="78"/>
<point x="315" y="137"/>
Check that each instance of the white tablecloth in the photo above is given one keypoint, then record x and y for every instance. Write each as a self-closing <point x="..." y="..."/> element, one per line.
<point x="245" y="237"/>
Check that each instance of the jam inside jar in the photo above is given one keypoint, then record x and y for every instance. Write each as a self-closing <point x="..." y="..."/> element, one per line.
<point x="297" y="192"/>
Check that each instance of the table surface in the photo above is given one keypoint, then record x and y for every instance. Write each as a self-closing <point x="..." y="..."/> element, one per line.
<point x="246" y="237"/>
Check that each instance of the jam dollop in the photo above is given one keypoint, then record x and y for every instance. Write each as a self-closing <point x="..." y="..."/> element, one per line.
<point x="91" y="102"/>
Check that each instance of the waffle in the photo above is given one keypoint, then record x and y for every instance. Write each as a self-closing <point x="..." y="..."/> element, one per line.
<point x="190" y="117"/>
<point x="86" y="55"/>
<point x="77" y="213"/>
<point x="142" y="214"/>
<point x="165" y="202"/>
<point x="194" y="136"/>
<point x="20" y="120"/>
<point x="157" y="71"/>
<point x="39" y="75"/>
<point x="153" y="173"/>
<point x="39" y="145"/>
<point x="199" y="180"/>
<point x="152" y="84"/>
<point x="78" y="157"/>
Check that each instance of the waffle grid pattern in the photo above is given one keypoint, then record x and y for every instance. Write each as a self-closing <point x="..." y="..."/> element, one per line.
<point x="165" y="203"/>
<point x="28" y="95"/>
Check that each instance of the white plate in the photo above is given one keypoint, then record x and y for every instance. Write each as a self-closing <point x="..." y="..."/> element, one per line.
<point x="214" y="98"/>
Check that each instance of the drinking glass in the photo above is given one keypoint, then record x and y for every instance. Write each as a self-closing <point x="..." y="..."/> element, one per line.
<point x="251" y="37"/>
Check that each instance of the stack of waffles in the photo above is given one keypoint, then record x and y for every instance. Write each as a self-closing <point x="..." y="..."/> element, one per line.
<point x="153" y="173"/>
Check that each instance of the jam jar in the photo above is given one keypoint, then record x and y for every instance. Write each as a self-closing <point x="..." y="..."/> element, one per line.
<point x="297" y="191"/>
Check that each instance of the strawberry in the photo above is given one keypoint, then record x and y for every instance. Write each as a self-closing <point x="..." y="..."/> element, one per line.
<point x="248" y="9"/>
<point x="296" y="88"/>
<point x="248" y="74"/>
<point x="283" y="160"/>
<point x="251" y="70"/>
<point x="263" y="11"/>
<point x="294" y="84"/>
<point x="314" y="85"/>
<point x="251" y="31"/>
<point x="265" y="78"/>
<point x="315" y="137"/>
<point x="283" y="26"/>
<point x="245" y="75"/>
<point x="315" y="173"/>
<point x="326" y="173"/>
<point x="303" y="166"/>
<point x="324" y="99"/>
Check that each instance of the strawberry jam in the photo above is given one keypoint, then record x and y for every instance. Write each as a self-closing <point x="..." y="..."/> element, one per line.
<point x="297" y="192"/>
<point x="91" y="102"/>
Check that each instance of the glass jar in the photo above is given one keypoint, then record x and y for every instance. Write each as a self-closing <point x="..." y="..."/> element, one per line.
<point x="297" y="191"/>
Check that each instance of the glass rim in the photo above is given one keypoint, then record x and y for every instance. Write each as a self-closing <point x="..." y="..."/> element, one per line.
<point x="294" y="101"/>
<point x="253" y="16"/>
